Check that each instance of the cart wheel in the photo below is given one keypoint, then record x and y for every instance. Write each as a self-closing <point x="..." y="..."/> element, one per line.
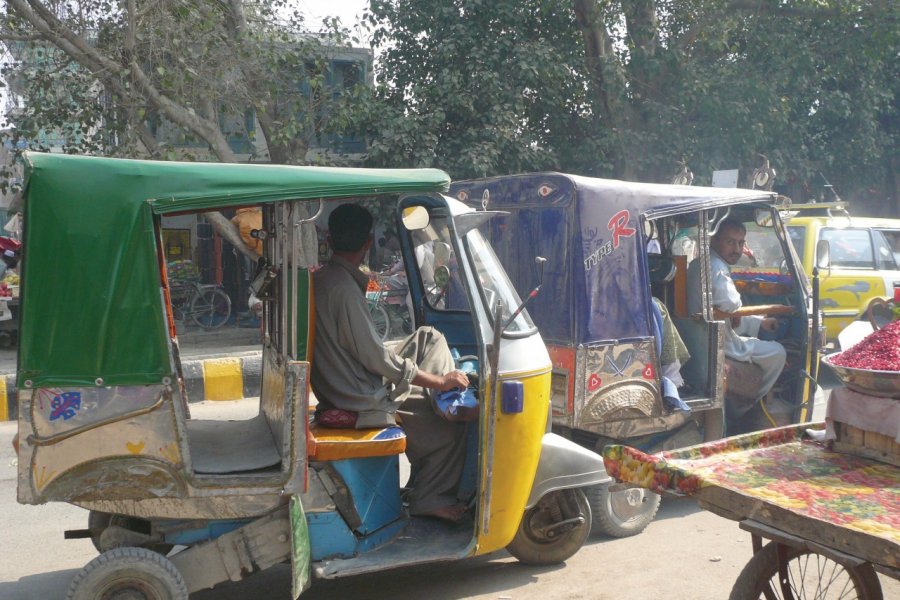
<point x="809" y="575"/>
<point x="210" y="308"/>
<point x="128" y="573"/>
<point x="99" y="521"/>
<point x="623" y="513"/>
<point x="552" y="530"/>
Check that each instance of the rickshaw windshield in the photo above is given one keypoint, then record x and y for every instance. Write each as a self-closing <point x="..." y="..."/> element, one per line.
<point x="494" y="285"/>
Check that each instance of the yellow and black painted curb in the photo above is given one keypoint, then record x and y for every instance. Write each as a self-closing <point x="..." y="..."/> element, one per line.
<point x="217" y="378"/>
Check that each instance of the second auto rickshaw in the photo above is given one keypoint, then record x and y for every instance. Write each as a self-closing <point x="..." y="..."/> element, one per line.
<point x="615" y="296"/>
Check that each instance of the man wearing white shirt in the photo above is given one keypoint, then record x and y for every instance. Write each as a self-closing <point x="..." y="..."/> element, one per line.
<point x="743" y="322"/>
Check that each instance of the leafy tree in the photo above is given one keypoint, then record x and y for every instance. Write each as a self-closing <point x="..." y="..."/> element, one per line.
<point x="107" y="74"/>
<point x="478" y="88"/>
<point x="627" y="88"/>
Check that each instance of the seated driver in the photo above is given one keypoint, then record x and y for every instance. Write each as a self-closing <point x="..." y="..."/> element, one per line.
<point x="743" y="322"/>
<point x="353" y="371"/>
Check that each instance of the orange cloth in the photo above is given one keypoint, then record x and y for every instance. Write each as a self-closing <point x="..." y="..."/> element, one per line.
<point x="246" y="220"/>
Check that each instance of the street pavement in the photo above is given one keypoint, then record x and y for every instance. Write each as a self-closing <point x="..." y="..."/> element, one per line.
<point x="685" y="554"/>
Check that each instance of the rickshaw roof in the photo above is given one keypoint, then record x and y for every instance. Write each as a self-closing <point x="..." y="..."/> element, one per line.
<point x="91" y="288"/>
<point x="653" y="200"/>
<point x="172" y="187"/>
<point x="589" y="230"/>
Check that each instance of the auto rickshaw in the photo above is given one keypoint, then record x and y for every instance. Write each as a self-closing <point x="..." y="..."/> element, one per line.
<point x="615" y="293"/>
<point x="180" y="504"/>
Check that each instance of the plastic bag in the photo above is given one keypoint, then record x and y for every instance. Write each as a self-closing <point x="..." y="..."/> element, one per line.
<point x="456" y="405"/>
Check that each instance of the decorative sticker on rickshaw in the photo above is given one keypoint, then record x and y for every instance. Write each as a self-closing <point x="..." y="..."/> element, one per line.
<point x="777" y="467"/>
<point x="619" y="227"/>
<point x="64" y="405"/>
<point x="57" y="410"/>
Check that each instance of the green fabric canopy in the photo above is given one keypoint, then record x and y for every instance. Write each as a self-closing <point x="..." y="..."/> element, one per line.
<point x="91" y="304"/>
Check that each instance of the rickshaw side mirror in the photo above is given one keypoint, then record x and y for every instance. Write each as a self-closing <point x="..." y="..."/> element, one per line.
<point x="823" y="254"/>
<point x="415" y="218"/>
<point x="763" y="217"/>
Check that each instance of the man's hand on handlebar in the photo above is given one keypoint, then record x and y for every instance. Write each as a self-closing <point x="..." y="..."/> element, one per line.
<point x="453" y="379"/>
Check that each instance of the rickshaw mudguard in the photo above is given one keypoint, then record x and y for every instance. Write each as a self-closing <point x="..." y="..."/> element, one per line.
<point x="563" y="465"/>
<point x="300" y="548"/>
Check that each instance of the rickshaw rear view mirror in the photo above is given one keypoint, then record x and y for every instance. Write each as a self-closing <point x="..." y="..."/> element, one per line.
<point x="415" y="218"/>
<point x="823" y="254"/>
<point x="763" y="217"/>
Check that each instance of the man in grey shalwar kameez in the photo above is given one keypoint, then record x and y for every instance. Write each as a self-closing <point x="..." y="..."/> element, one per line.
<point x="352" y="370"/>
<point x="743" y="322"/>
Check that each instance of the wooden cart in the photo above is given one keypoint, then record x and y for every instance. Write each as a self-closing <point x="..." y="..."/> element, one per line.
<point x="833" y="518"/>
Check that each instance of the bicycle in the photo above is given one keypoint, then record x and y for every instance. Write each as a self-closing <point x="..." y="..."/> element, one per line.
<point x="386" y="299"/>
<point x="206" y="304"/>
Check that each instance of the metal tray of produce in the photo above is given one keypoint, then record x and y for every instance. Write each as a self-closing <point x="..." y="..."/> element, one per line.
<point x="866" y="381"/>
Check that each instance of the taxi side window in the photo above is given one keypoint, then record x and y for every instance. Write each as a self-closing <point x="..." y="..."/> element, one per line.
<point x="887" y="250"/>
<point x="850" y="248"/>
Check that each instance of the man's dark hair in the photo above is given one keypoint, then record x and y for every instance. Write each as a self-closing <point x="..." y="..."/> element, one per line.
<point x="730" y="223"/>
<point x="349" y="226"/>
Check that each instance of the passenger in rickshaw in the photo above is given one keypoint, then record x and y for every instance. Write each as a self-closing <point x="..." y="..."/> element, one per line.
<point x="744" y="323"/>
<point x="360" y="383"/>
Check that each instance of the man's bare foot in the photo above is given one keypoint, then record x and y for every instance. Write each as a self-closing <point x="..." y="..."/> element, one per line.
<point x="452" y="513"/>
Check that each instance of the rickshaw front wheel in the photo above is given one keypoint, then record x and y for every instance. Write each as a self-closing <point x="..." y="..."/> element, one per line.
<point x="553" y="529"/>
<point x="808" y="575"/>
<point x="128" y="574"/>
<point x="621" y="513"/>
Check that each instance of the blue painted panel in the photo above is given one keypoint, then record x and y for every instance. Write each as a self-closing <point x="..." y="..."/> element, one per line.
<point x="374" y="485"/>
<point x="329" y="536"/>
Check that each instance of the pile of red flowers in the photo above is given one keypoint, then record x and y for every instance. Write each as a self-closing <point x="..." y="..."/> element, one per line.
<point x="879" y="351"/>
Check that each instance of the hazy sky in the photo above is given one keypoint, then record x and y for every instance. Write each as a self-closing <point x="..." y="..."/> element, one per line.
<point x="348" y="10"/>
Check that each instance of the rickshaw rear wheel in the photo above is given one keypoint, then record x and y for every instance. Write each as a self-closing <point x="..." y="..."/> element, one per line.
<point x="553" y="529"/>
<point x="810" y="575"/>
<point x="99" y="521"/>
<point x="621" y="513"/>
<point x="128" y="574"/>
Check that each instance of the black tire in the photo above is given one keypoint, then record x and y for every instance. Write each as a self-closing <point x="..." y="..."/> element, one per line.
<point x="532" y="545"/>
<point x="806" y="572"/>
<point x="133" y="573"/>
<point x="99" y="521"/>
<point x="211" y="308"/>
<point x="621" y="514"/>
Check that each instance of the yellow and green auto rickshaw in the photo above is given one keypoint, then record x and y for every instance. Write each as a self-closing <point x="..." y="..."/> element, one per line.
<point x="180" y="504"/>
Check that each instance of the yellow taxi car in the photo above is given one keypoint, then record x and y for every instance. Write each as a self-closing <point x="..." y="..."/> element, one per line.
<point x="864" y="264"/>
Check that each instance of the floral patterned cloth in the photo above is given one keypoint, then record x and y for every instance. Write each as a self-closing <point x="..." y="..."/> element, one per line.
<point x="778" y="467"/>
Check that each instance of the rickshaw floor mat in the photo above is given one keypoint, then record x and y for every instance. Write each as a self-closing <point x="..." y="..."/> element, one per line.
<point x="424" y="540"/>
<point x="219" y="447"/>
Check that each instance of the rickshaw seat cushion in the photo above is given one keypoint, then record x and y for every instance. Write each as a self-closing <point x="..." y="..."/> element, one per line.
<point x="338" y="444"/>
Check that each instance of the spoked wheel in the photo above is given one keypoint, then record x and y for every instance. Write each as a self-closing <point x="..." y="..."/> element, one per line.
<point x="99" y="521"/>
<point x="621" y="513"/>
<point x="381" y="320"/>
<point x="128" y="574"/>
<point x="552" y="530"/>
<point x="211" y="308"/>
<point x="807" y="575"/>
